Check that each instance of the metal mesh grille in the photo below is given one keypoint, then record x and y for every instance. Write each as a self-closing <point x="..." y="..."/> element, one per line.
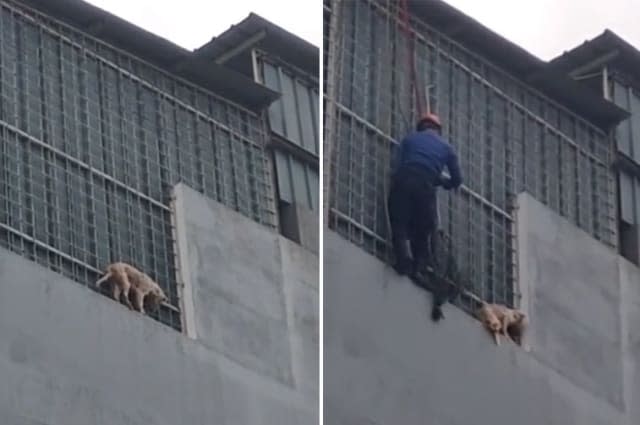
<point x="92" y="141"/>
<point x="509" y="139"/>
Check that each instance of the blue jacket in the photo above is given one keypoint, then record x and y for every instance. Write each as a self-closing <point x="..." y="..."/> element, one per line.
<point x="429" y="151"/>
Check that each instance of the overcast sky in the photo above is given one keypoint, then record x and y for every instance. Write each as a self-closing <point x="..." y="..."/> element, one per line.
<point x="192" y="23"/>
<point x="544" y="27"/>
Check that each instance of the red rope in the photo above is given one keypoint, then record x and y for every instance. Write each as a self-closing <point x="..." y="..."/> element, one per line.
<point x="411" y="56"/>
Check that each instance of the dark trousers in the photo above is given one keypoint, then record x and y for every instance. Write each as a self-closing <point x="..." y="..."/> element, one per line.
<point x="413" y="215"/>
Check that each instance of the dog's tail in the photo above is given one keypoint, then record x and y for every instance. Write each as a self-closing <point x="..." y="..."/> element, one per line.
<point x="103" y="279"/>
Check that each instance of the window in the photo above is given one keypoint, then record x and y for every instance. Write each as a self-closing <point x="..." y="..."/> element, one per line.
<point x="297" y="182"/>
<point x="629" y="197"/>
<point x="628" y="132"/>
<point x="293" y="119"/>
<point x="634" y="108"/>
<point x="628" y="143"/>
<point x="276" y="116"/>
<point x="298" y="199"/>
<point x="295" y="115"/>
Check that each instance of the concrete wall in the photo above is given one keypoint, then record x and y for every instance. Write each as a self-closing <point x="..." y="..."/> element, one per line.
<point x="70" y="356"/>
<point x="386" y="362"/>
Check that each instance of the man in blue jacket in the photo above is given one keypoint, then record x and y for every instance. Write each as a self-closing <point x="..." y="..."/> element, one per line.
<point x="413" y="212"/>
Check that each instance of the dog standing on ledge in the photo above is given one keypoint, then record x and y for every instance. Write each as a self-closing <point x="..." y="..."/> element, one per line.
<point x="499" y="319"/>
<point x="127" y="280"/>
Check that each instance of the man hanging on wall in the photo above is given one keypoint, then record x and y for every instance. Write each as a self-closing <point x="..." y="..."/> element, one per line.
<point x="413" y="211"/>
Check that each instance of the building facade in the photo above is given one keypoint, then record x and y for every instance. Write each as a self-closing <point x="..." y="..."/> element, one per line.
<point x="516" y="124"/>
<point x="289" y="66"/>
<point x="608" y="66"/>
<point x="101" y="123"/>
<point x="535" y="225"/>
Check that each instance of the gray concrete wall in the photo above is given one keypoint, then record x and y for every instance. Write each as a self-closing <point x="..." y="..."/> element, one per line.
<point x="255" y="293"/>
<point x="386" y="362"/>
<point x="70" y="356"/>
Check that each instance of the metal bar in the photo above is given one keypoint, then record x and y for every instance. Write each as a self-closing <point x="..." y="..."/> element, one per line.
<point x="66" y="257"/>
<point x="82" y="164"/>
<point x="308" y="79"/>
<point x="508" y="99"/>
<point x="391" y="140"/>
<point x="355" y="223"/>
<point x="386" y="11"/>
<point x="588" y="76"/>
<point x="146" y="84"/>
<point x="238" y="48"/>
<point x="595" y="63"/>
<point x="51" y="249"/>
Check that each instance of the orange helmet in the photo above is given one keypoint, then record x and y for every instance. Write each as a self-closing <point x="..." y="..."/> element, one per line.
<point x="431" y="118"/>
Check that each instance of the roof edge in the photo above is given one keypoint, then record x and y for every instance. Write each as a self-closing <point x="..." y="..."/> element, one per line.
<point x="155" y="50"/>
<point x="598" y="52"/>
<point x="519" y="63"/>
<point x="277" y="41"/>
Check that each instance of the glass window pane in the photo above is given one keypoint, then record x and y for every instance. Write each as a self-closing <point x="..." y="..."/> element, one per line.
<point x="314" y="188"/>
<point x="626" y="198"/>
<point x="306" y="119"/>
<point x="635" y="125"/>
<point x="275" y="110"/>
<point x="290" y="109"/>
<point x="623" y="131"/>
<point x="270" y="76"/>
<point x="284" y="179"/>
<point x="636" y="185"/>
<point x="298" y="177"/>
<point x="314" y="116"/>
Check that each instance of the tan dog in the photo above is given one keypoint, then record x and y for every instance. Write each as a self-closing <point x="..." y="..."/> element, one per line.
<point x="514" y="326"/>
<point x="490" y="316"/>
<point x="499" y="319"/>
<point x="127" y="280"/>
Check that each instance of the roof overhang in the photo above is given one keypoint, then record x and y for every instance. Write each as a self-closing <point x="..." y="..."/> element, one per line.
<point x="519" y="63"/>
<point x="255" y="31"/>
<point x="606" y="49"/>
